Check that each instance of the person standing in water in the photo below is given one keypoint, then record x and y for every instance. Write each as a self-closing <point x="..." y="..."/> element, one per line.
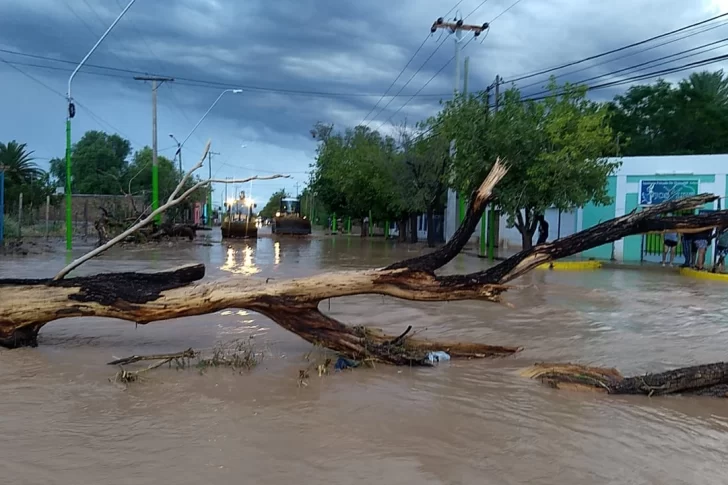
<point x="669" y="246"/>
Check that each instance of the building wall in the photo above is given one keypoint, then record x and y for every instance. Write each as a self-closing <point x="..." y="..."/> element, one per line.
<point x="711" y="172"/>
<point x="596" y="214"/>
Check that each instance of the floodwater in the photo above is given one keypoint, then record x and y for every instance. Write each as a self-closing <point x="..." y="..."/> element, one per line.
<point x="464" y="422"/>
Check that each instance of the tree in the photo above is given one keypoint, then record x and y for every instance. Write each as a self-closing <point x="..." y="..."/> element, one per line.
<point x="99" y="162"/>
<point x="662" y="119"/>
<point x="22" y="175"/>
<point x="273" y="205"/>
<point x="555" y="149"/>
<point x="352" y="172"/>
<point x="423" y="176"/>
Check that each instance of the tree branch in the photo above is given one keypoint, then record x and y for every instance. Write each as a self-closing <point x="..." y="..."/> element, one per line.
<point x="27" y="305"/>
<point x="478" y="201"/>
<point x="631" y="224"/>
<point x="171" y="202"/>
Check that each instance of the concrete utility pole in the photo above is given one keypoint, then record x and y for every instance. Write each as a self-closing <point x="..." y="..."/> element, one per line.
<point x="498" y="82"/>
<point x="155" y="167"/>
<point x="456" y="27"/>
<point x="209" y="188"/>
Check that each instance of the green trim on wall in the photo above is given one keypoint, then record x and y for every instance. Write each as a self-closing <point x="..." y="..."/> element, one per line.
<point x="592" y="215"/>
<point x="632" y="249"/>
<point x="635" y="179"/>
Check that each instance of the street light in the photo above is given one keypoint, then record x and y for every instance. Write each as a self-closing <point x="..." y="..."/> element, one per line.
<point x="178" y="153"/>
<point x="71" y="113"/>
<point x="180" y="145"/>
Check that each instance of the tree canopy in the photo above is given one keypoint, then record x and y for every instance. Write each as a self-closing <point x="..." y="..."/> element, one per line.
<point x="664" y="119"/>
<point x="360" y="171"/>
<point x="99" y="163"/>
<point x="274" y="204"/>
<point x="22" y="174"/>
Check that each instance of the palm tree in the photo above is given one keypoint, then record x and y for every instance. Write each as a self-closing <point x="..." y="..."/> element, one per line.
<point x="18" y="162"/>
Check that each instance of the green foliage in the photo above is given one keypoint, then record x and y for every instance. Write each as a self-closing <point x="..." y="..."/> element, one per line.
<point x="98" y="164"/>
<point x="22" y="175"/>
<point x="273" y="205"/>
<point x="554" y="147"/>
<point x="352" y="172"/>
<point x="360" y="170"/>
<point x="662" y="119"/>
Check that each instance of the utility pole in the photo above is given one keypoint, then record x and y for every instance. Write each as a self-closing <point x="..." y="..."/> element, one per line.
<point x="456" y="27"/>
<point x="155" y="167"/>
<point x="466" y="75"/>
<point x="296" y="190"/>
<point x="498" y="82"/>
<point x="209" y="188"/>
<point x="491" y="207"/>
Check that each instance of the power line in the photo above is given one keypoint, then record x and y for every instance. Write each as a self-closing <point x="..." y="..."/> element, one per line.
<point x="185" y="81"/>
<point x="408" y="81"/>
<point x="397" y="78"/>
<point x="640" y="77"/>
<point x="619" y="49"/>
<point x="631" y="54"/>
<point x="641" y="66"/>
<point x="426" y="61"/>
<point x="516" y="2"/>
<point x="102" y="122"/>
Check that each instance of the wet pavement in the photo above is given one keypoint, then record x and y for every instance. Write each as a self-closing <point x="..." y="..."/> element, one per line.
<point x="463" y="422"/>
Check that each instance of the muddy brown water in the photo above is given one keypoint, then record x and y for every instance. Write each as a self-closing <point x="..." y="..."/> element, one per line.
<point x="63" y="422"/>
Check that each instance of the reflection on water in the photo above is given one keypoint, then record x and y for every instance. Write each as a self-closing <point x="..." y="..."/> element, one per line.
<point x="460" y="423"/>
<point x="240" y="261"/>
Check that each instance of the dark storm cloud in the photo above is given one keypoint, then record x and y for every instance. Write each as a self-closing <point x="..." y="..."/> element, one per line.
<point x="327" y="46"/>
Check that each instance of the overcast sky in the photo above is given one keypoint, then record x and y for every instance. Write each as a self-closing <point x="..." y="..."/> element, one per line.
<point x="299" y="61"/>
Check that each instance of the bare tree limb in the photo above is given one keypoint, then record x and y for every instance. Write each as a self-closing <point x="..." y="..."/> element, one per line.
<point x="27" y="305"/>
<point x="171" y="202"/>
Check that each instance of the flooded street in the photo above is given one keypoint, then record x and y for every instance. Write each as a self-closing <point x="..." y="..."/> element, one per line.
<point x="464" y="422"/>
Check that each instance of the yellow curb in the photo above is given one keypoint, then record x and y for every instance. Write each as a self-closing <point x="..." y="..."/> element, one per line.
<point x="704" y="275"/>
<point x="572" y="265"/>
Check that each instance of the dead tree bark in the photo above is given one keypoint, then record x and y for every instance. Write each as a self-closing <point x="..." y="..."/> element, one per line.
<point x="27" y="305"/>
<point x="706" y="379"/>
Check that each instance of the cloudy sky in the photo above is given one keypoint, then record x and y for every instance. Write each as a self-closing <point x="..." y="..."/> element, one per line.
<point x="299" y="62"/>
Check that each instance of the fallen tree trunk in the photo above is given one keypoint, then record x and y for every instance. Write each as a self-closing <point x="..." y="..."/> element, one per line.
<point x="706" y="379"/>
<point x="27" y="305"/>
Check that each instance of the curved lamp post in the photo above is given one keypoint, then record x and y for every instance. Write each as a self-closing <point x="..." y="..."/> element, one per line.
<point x="71" y="113"/>
<point x="180" y="145"/>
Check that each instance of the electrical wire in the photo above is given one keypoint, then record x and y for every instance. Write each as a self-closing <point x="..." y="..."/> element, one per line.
<point x="631" y="54"/>
<point x="516" y="2"/>
<point x="641" y="66"/>
<point x="614" y="51"/>
<point x="397" y="78"/>
<point x="407" y="65"/>
<point x="408" y="81"/>
<point x="99" y="120"/>
<point x="184" y="81"/>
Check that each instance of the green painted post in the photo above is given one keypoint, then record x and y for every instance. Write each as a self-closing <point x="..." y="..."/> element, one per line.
<point x="69" y="213"/>
<point x="386" y="229"/>
<point x="348" y="225"/>
<point x="461" y="210"/>
<point x="333" y="222"/>
<point x="155" y="193"/>
<point x="371" y="224"/>
<point x="491" y="234"/>
<point x="482" y="235"/>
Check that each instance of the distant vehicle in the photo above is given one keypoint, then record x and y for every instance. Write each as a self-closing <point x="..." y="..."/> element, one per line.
<point x="288" y="220"/>
<point x="239" y="229"/>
